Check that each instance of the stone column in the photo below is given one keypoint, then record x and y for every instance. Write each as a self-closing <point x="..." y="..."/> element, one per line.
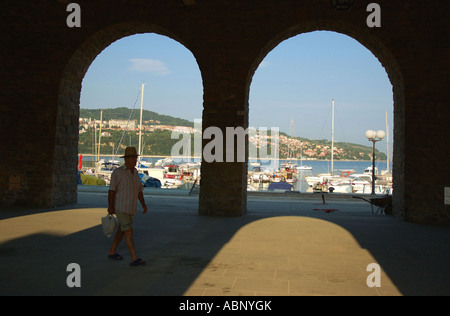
<point x="223" y="187"/>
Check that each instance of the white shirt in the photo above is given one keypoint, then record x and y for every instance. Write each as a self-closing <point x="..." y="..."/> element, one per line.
<point x="126" y="186"/>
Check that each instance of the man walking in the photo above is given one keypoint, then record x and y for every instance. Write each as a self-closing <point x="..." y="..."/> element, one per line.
<point x="124" y="190"/>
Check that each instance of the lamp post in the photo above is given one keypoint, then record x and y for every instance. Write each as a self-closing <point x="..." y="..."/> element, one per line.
<point x="374" y="137"/>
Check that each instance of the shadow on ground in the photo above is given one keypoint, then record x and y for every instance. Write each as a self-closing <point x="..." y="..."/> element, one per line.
<point x="279" y="247"/>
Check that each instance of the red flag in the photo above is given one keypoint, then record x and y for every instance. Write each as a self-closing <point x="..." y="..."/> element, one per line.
<point x="80" y="162"/>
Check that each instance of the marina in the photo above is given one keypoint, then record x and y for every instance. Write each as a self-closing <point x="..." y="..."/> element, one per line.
<point x="346" y="177"/>
<point x="270" y="175"/>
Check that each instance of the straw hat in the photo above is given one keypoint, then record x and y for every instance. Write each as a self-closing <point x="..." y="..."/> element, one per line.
<point x="130" y="151"/>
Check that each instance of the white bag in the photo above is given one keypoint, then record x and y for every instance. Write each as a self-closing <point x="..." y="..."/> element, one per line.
<point x="109" y="224"/>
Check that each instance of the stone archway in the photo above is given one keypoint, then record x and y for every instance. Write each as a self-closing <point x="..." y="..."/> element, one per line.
<point x="66" y="148"/>
<point x="379" y="50"/>
<point x="44" y="61"/>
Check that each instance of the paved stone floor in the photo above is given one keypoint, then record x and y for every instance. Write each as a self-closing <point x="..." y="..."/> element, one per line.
<point x="282" y="246"/>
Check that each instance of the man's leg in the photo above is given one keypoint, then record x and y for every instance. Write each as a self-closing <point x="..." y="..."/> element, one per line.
<point x="117" y="239"/>
<point x="130" y="243"/>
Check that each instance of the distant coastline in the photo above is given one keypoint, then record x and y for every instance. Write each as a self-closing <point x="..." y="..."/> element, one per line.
<point x="198" y="157"/>
<point x="157" y="131"/>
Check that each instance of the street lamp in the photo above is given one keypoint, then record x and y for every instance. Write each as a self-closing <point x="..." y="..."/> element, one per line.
<point x="374" y="137"/>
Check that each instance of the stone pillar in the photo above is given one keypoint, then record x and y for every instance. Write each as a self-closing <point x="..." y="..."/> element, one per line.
<point x="64" y="189"/>
<point x="223" y="187"/>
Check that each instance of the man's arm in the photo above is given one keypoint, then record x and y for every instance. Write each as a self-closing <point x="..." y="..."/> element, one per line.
<point x="142" y="200"/>
<point x="111" y="208"/>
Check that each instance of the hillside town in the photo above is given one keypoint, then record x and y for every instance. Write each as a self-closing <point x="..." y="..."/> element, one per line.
<point x="289" y="147"/>
<point x="86" y="124"/>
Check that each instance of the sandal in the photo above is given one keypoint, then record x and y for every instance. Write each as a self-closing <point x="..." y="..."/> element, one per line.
<point x="115" y="256"/>
<point x="137" y="262"/>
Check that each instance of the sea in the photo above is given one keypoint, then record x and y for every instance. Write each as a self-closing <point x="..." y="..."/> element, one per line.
<point x="318" y="166"/>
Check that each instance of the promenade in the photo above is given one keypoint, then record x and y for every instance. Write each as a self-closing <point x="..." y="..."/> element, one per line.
<point x="283" y="246"/>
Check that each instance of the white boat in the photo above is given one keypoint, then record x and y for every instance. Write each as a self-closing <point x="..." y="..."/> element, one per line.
<point x="144" y="163"/>
<point x="321" y="178"/>
<point x="288" y="167"/>
<point x="368" y="170"/>
<point x="173" y="176"/>
<point x="354" y="183"/>
<point x="108" y="165"/>
<point x="104" y="169"/>
<point x="340" y="187"/>
<point x="170" y="176"/>
<point x="260" y="177"/>
<point x="190" y="171"/>
<point x="287" y="173"/>
<point x="164" y="161"/>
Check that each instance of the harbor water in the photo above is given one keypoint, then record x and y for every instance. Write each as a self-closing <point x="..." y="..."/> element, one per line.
<point x="317" y="167"/>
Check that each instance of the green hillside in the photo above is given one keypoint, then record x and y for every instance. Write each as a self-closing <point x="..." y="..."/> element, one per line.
<point x="123" y="113"/>
<point x="159" y="142"/>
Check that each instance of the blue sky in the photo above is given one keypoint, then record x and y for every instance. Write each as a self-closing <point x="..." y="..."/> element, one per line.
<point x="296" y="81"/>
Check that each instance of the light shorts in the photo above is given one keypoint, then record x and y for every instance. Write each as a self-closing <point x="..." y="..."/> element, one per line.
<point x="125" y="220"/>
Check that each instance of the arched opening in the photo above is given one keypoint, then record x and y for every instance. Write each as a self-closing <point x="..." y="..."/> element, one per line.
<point x="66" y="149"/>
<point x="312" y="95"/>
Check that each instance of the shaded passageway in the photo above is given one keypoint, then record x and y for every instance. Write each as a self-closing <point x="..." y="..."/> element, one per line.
<point x="281" y="247"/>
<point x="228" y="40"/>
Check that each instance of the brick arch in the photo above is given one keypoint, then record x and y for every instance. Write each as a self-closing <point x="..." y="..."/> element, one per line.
<point x="378" y="48"/>
<point x="66" y="146"/>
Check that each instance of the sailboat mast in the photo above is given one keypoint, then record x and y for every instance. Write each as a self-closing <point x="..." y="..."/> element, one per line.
<point x="332" y="136"/>
<point x="290" y="142"/>
<point x="387" y="142"/>
<point x="100" y="135"/>
<point x="140" y="123"/>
